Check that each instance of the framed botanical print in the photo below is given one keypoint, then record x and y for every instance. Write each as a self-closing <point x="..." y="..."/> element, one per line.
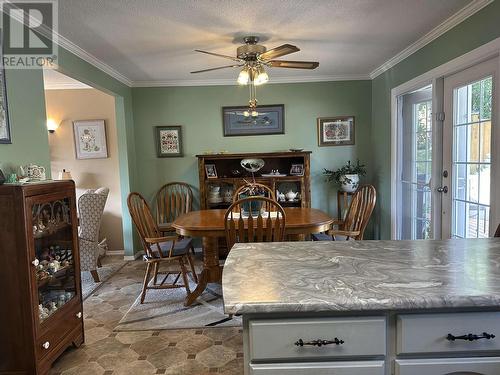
<point x="168" y="141"/>
<point x="5" y="136"/>
<point x="90" y="139"/>
<point x="336" y="131"/>
<point x="266" y="119"/>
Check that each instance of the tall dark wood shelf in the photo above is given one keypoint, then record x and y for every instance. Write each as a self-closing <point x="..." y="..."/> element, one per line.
<point x="226" y="164"/>
<point x="41" y="306"/>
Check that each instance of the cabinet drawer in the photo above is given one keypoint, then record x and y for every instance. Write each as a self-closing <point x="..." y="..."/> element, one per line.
<point x="483" y="366"/>
<point x="426" y="333"/>
<point x="325" y="368"/>
<point x="56" y="328"/>
<point x="275" y="339"/>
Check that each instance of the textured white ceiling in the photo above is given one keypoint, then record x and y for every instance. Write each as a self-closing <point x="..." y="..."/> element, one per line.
<point x="153" y="40"/>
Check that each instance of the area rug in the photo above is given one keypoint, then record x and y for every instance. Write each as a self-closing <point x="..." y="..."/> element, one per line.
<point x="104" y="272"/>
<point x="164" y="309"/>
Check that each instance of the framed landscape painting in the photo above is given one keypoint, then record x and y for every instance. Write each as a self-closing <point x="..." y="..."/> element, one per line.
<point x="336" y="131"/>
<point x="168" y="141"/>
<point x="268" y="119"/>
<point x="90" y="139"/>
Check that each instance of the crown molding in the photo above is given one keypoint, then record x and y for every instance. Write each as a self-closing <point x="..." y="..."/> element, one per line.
<point x="435" y="33"/>
<point x="91" y="59"/>
<point x="232" y="82"/>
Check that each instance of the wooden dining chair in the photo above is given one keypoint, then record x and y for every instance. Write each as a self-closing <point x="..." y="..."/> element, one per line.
<point x="497" y="233"/>
<point x="172" y="200"/>
<point x="159" y="249"/>
<point x="254" y="219"/>
<point x="357" y="217"/>
<point x="254" y="189"/>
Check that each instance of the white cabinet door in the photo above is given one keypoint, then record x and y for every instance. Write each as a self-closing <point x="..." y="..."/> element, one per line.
<point x="446" y="366"/>
<point x="314" y="368"/>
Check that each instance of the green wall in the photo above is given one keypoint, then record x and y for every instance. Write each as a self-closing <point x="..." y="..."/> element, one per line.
<point x="477" y="30"/>
<point x="26" y="104"/>
<point x="26" y="101"/>
<point x="199" y="111"/>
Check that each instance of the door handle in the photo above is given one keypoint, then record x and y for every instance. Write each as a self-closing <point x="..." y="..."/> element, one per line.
<point x="443" y="189"/>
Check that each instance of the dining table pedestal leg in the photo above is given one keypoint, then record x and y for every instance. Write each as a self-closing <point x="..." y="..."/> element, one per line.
<point x="211" y="273"/>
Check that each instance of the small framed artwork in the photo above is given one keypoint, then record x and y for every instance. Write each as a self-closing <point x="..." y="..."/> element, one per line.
<point x="211" y="171"/>
<point x="336" y="131"/>
<point x="297" y="170"/>
<point x="90" y="139"/>
<point x="168" y="141"/>
<point x="265" y="120"/>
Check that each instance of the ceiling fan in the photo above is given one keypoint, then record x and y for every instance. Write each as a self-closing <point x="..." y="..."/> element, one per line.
<point x="253" y="58"/>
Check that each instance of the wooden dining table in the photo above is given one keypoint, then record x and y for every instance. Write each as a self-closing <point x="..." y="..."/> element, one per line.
<point x="209" y="225"/>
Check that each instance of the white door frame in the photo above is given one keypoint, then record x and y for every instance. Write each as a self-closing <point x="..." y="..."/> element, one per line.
<point x="435" y="77"/>
<point x="463" y="77"/>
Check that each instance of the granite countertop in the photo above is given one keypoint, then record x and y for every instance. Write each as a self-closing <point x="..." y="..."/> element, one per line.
<point x="361" y="276"/>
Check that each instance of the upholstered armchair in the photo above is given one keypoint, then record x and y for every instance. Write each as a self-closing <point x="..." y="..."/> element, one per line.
<point x="90" y="208"/>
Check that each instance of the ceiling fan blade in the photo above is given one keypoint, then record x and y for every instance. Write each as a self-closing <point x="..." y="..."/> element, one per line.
<point x="293" y="64"/>
<point x="220" y="67"/>
<point x="219" y="55"/>
<point x="282" y="50"/>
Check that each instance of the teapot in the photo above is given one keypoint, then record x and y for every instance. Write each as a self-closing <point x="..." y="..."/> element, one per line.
<point x="291" y="195"/>
<point x="33" y="172"/>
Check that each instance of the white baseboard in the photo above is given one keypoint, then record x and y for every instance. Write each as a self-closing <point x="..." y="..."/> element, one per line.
<point x="115" y="252"/>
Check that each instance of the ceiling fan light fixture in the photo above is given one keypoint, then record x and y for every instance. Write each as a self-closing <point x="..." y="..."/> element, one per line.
<point x="261" y="76"/>
<point x="244" y="76"/>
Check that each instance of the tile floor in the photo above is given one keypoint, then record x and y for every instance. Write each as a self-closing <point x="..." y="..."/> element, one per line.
<point x="182" y="352"/>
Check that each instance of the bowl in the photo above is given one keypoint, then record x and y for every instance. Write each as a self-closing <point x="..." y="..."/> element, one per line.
<point x="252" y="165"/>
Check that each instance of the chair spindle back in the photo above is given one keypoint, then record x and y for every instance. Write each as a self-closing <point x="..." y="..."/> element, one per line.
<point x="254" y="219"/>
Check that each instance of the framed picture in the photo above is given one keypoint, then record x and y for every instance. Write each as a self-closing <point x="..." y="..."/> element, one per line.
<point x="211" y="171"/>
<point x="336" y="131"/>
<point x="90" y="139"/>
<point x="4" y="112"/>
<point x="269" y="119"/>
<point x="168" y="141"/>
<point x="297" y="170"/>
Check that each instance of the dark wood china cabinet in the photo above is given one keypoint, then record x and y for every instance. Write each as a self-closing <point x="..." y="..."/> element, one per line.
<point x="41" y="302"/>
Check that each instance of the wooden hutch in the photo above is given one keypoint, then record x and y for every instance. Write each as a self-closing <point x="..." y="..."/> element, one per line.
<point x="41" y="306"/>
<point x="231" y="175"/>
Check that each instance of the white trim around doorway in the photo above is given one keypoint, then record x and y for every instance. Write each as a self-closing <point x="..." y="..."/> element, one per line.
<point x="476" y="56"/>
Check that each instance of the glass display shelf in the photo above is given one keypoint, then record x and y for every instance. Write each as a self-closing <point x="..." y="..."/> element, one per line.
<point x="53" y="263"/>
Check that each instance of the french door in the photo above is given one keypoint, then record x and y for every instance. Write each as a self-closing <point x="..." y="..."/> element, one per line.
<point x="448" y="157"/>
<point x="469" y="166"/>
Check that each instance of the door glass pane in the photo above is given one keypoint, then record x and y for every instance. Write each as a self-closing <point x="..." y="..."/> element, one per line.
<point x="414" y="216"/>
<point x="54" y="266"/>
<point x="471" y="159"/>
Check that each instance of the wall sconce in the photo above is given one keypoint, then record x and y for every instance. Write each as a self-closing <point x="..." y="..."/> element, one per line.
<point x="52" y="125"/>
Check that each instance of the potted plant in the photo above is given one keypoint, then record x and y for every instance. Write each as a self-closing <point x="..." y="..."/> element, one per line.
<point x="347" y="176"/>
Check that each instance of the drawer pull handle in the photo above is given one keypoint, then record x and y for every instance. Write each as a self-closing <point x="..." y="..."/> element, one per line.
<point x="470" y="337"/>
<point x="46" y="345"/>
<point x="79" y="314"/>
<point x="319" y="342"/>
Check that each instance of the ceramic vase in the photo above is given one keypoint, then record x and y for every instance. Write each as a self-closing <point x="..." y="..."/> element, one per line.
<point x="349" y="182"/>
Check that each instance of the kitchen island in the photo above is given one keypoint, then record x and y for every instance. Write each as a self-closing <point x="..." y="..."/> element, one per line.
<point x="367" y="307"/>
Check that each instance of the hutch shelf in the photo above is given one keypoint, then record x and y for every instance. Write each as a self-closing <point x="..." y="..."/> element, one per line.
<point x="216" y="190"/>
<point x="41" y="305"/>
